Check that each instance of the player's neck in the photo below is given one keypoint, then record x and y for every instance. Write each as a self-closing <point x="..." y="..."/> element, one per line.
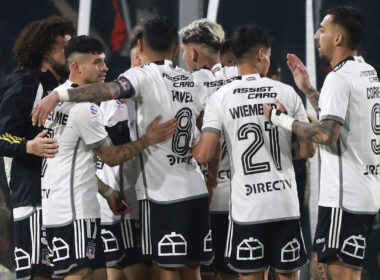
<point x="247" y="68"/>
<point x="341" y="54"/>
<point x="209" y="62"/>
<point x="76" y="80"/>
<point x="156" y="56"/>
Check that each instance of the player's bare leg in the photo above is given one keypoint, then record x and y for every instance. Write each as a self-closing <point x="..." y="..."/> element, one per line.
<point x="340" y="272"/>
<point x="252" y="276"/>
<point x="190" y="272"/>
<point x="286" y="276"/>
<point x="318" y="271"/>
<point x="137" y="271"/>
<point x="115" y="273"/>
<point x="78" y="274"/>
<point x="161" y="273"/>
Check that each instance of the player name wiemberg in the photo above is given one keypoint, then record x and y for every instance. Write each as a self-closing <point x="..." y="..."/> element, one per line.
<point x="179" y="80"/>
<point x="247" y="110"/>
<point x="277" y="185"/>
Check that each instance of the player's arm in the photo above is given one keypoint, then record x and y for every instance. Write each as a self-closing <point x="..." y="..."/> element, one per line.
<point x="115" y="199"/>
<point x="303" y="149"/>
<point x="95" y="93"/>
<point x="325" y="132"/>
<point x="205" y="149"/>
<point x="301" y="78"/>
<point x="114" y="155"/>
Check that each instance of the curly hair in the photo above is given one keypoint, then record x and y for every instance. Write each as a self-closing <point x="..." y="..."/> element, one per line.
<point x="38" y="38"/>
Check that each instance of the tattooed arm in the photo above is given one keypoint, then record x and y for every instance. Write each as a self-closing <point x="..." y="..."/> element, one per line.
<point x="325" y="132"/>
<point x="155" y="132"/>
<point x="301" y="78"/>
<point x="94" y="93"/>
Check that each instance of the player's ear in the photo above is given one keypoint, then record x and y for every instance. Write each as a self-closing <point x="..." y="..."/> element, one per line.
<point x="194" y="55"/>
<point x="74" y="66"/>
<point x="339" y="38"/>
<point x="141" y="45"/>
<point x="260" y="54"/>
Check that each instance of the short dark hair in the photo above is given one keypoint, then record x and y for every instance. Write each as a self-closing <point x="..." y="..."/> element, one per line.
<point x="160" y="33"/>
<point x="138" y="36"/>
<point x="84" y="44"/>
<point x="38" y="38"/>
<point x="352" y="20"/>
<point x="248" y="37"/>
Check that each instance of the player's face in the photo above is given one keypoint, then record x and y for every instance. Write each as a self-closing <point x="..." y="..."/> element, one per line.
<point x="325" y="36"/>
<point x="188" y="57"/>
<point x="265" y="63"/>
<point x="94" y="68"/>
<point x="56" y="56"/>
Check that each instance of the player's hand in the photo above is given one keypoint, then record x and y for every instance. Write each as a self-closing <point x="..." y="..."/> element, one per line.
<point x="118" y="203"/>
<point x="44" y="107"/>
<point x="267" y="108"/>
<point x="42" y="147"/>
<point x="156" y="132"/>
<point x="299" y="71"/>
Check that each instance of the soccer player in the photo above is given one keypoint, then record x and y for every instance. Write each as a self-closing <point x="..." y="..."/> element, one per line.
<point x="119" y="233"/>
<point x="264" y="229"/>
<point x="348" y="132"/>
<point x="42" y="64"/>
<point x="71" y="212"/>
<point x="227" y="57"/>
<point x="201" y="44"/>
<point x="173" y="197"/>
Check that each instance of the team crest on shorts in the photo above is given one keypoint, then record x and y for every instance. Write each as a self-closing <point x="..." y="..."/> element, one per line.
<point x="90" y="251"/>
<point x="45" y="258"/>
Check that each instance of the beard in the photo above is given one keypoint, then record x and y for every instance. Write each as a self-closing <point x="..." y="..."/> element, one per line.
<point x="61" y="69"/>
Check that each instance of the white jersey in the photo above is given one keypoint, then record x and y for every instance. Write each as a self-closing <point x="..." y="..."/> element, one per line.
<point x="167" y="172"/>
<point x="122" y="177"/>
<point x="212" y="79"/>
<point x="263" y="185"/>
<point x="68" y="181"/>
<point x="350" y="169"/>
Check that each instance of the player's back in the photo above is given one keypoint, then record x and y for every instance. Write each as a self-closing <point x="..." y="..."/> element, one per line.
<point x="260" y="155"/>
<point x="167" y="170"/>
<point x="351" y="166"/>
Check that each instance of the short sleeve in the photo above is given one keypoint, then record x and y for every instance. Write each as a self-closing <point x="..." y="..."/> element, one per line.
<point x="87" y="120"/>
<point x="137" y="78"/>
<point x="334" y="98"/>
<point x="212" y="121"/>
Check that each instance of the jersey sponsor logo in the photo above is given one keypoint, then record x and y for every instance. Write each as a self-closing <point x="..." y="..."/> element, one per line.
<point x="45" y="193"/>
<point x="60" y="249"/>
<point x="265" y="187"/>
<point x="256" y="89"/>
<point x="207" y="242"/>
<point x="218" y="83"/>
<point x="93" y="110"/>
<point x="371" y="169"/>
<point x="22" y="259"/>
<point x="354" y="246"/>
<point x="291" y="251"/>
<point x="172" y="244"/>
<point x="180" y="160"/>
<point x="250" y="249"/>
<point x="182" y="96"/>
<point x="179" y="80"/>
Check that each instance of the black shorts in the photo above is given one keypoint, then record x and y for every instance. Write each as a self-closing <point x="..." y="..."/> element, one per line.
<point x="252" y="248"/>
<point x="219" y="228"/>
<point x="120" y="244"/>
<point x="342" y="235"/>
<point x="31" y="250"/>
<point x="176" y="234"/>
<point x="78" y="244"/>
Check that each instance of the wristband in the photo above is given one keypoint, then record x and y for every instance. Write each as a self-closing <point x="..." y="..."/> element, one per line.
<point x="63" y="93"/>
<point x="280" y="119"/>
<point x="108" y="193"/>
<point x="126" y="88"/>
